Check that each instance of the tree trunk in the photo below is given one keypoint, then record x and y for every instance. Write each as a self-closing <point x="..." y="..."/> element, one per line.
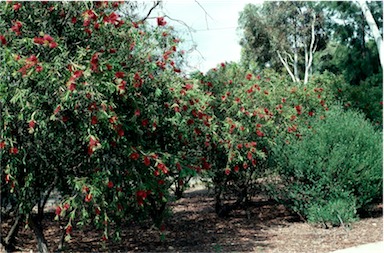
<point x="374" y="29"/>
<point x="287" y="67"/>
<point x="37" y="227"/>
<point x="9" y="241"/>
<point x="309" y="52"/>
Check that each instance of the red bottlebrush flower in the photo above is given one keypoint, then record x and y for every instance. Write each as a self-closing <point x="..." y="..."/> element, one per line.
<point x="113" y="18"/>
<point x="68" y="229"/>
<point x="283" y="100"/>
<point x="119" y="74"/>
<point x="58" y="210"/>
<point x="66" y="206"/>
<point x="85" y="189"/>
<point x="311" y="113"/>
<point x="239" y="146"/>
<point x="145" y="122"/>
<point x="259" y="133"/>
<point x="53" y="44"/>
<point x="73" y="20"/>
<point x="58" y="108"/>
<point x="16" y="27"/>
<point x="141" y="195"/>
<point x="163" y="168"/>
<point x="190" y="122"/>
<point x="249" y="76"/>
<point x="147" y="161"/>
<point x="7" y="178"/>
<point x="188" y="86"/>
<point x="112" y="119"/>
<point x="161" y="21"/>
<point x="88" y="197"/>
<point x="227" y="171"/>
<point x="3" y="40"/>
<point x="32" y="60"/>
<point x="94" y="120"/>
<point x="16" y="7"/>
<point x="13" y="150"/>
<point x="89" y="14"/>
<point x="97" y="211"/>
<point x="32" y="124"/>
<point x="298" y="109"/>
<point x="2" y="144"/>
<point x="77" y="74"/>
<point x="120" y="132"/>
<point x="160" y="182"/>
<point x="93" y="142"/>
<point x="109" y="66"/>
<point x="72" y="87"/>
<point x="134" y="156"/>
<point x="249" y="155"/>
<point x="39" y="68"/>
<point x="137" y="112"/>
<point x="110" y="184"/>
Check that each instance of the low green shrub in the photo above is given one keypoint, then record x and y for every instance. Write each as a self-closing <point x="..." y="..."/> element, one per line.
<point x="335" y="168"/>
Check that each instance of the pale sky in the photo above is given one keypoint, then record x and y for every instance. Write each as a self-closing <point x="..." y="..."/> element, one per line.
<point x="215" y="35"/>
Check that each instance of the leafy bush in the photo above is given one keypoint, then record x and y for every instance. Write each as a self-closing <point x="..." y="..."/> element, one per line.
<point x="338" y="162"/>
<point x="336" y="212"/>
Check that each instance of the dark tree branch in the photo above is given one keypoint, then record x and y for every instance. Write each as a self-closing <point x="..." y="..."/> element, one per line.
<point x="149" y="12"/>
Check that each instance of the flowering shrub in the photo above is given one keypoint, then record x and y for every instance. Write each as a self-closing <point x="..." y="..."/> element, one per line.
<point x="253" y="112"/>
<point x="94" y="103"/>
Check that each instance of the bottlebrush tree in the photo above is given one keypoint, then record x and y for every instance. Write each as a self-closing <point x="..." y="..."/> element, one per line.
<point x="253" y="113"/>
<point x="93" y="105"/>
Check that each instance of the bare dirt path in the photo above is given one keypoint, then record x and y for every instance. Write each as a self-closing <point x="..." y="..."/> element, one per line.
<point x="194" y="227"/>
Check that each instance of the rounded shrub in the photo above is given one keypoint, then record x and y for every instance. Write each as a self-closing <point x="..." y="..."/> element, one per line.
<point x="335" y="168"/>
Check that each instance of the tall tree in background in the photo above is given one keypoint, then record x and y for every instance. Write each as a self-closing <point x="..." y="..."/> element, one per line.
<point x="282" y="34"/>
<point x="351" y="51"/>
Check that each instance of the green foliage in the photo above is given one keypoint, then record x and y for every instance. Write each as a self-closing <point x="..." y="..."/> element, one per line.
<point x="335" y="212"/>
<point x="339" y="159"/>
<point x="93" y="102"/>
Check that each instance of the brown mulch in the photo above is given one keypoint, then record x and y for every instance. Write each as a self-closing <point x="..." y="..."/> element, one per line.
<point x="194" y="227"/>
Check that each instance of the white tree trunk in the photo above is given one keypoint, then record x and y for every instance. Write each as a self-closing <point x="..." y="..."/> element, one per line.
<point x="374" y="29"/>
<point x="286" y="67"/>
<point x="309" y="53"/>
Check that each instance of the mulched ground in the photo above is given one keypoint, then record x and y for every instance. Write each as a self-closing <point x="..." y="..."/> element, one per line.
<point x="194" y="227"/>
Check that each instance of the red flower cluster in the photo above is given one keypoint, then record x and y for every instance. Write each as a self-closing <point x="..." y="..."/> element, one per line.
<point x="16" y="27"/>
<point x="30" y="62"/>
<point x="114" y="19"/>
<point x="3" y="40"/>
<point x="161" y="21"/>
<point x="46" y="40"/>
<point x="14" y="150"/>
<point x="141" y="195"/>
<point x="93" y="145"/>
<point x="16" y="6"/>
<point x="95" y="62"/>
<point x="71" y="84"/>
